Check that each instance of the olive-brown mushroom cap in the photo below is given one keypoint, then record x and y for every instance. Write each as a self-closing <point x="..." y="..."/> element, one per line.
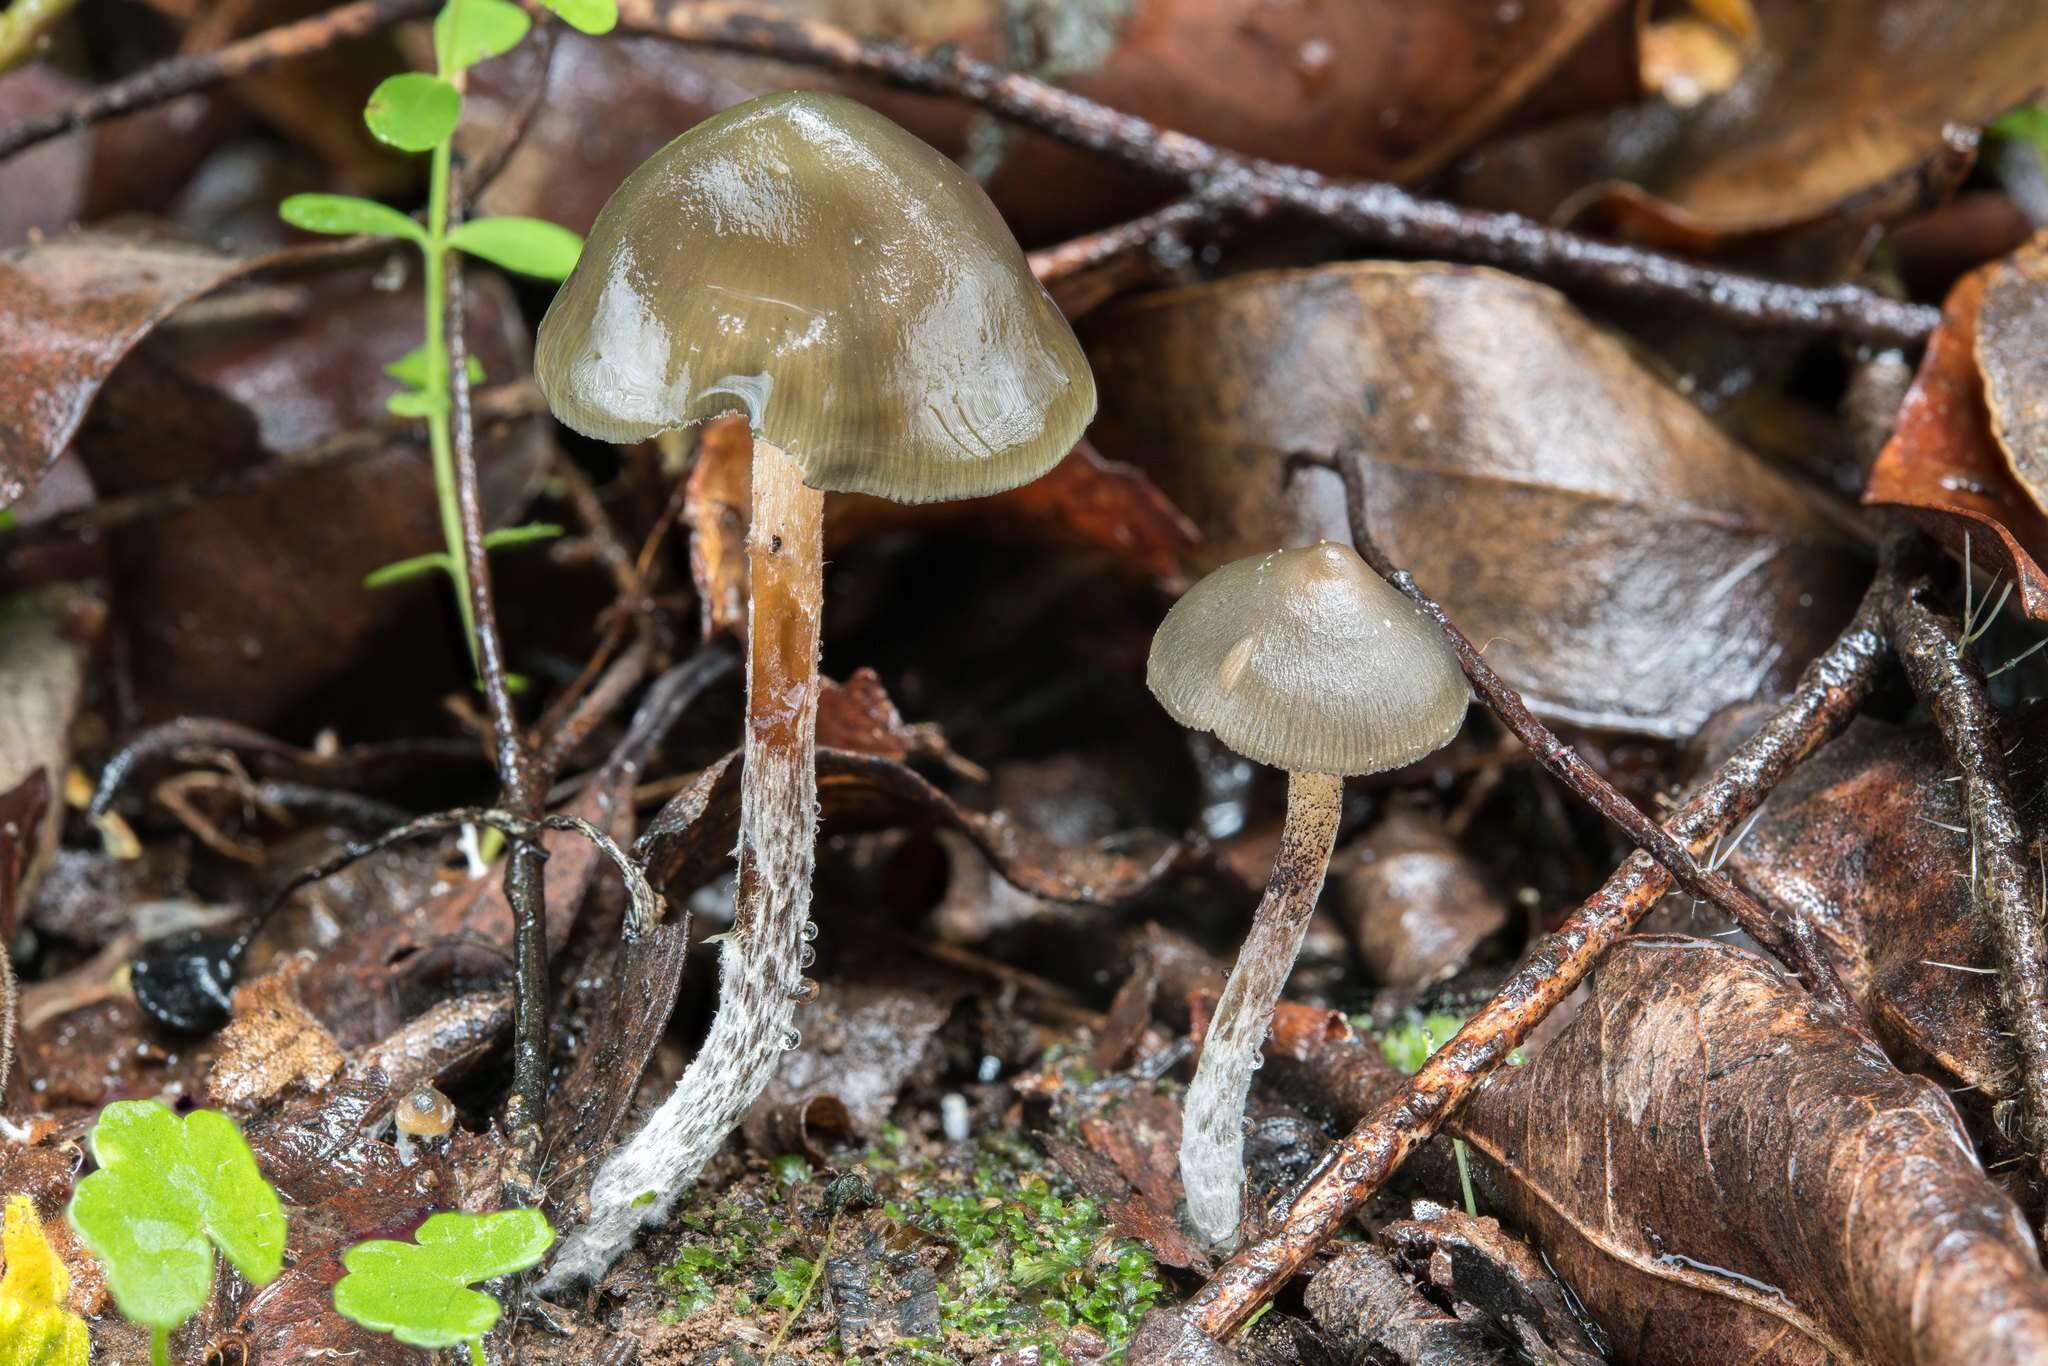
<point x="801" y="259"/>
<point x="1308" y="661"/>
<point x="425" y="1113"/>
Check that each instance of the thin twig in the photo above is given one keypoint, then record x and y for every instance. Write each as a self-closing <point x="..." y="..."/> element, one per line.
<point x="525" y="785"/>
<point x="1373" y="213"/>
<point x="488" y="167"/>
<point x="1793" y="943"/>
<point x="1827" y="696"/>
<point x="1933" y="649"/>
<point x="166" y="80"/>
<point x="1148" y="233"/>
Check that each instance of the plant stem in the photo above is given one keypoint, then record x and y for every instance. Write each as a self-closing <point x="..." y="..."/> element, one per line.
<point x="160" y="1347"/>
<point x="476" y="1352"/>
<point x="810" y="1285"/>
<point x="1212" y="1116"/>
<point x="761" y="960"/>
<point x="435" y="252"/>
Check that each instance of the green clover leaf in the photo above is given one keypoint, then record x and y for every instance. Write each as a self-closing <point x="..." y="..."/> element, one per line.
<point x="531" y="246"/>
<point x="413" y="112"/>
<point x="419" y="1293"/>
<point x="167" y="1192"/>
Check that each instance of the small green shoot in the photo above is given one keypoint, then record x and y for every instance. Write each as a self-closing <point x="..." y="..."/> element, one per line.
<point x="419" y="1293"/>
<point x="418" y="112"/>
<point x="36" y="1326"/>
<point x="1408" y="1046"/>
<point x="168" y="1191"/>
<point x="2028" y="124"/>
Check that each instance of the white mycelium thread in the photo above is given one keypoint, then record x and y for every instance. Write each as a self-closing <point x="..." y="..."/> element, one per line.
<point x="761" y="962"/>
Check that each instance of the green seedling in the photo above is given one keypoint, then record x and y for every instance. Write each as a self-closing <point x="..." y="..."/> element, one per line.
<point x="36" y="1327"/>
<point x="418" y="112"/>
<point x="419" y="1293"/>
<point x="167" y="1193"/>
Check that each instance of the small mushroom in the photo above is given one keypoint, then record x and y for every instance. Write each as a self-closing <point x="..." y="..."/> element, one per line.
<point x="1308" y="661"/>
<point x="802" y="260"/>
<point x="424" y="1114"/>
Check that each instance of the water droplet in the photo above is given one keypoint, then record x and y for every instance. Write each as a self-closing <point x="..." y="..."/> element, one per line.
<point x="806" y="957"/>
<point x="1258" y="1061"/>
<point x="806" y="991"/>
<point x="810" y="931"/>
<point x="791" y="1038"/>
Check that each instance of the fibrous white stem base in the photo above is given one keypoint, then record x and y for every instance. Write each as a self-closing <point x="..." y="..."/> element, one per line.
<point x="1212" y="1114"/>
<point x="761" y="962"/>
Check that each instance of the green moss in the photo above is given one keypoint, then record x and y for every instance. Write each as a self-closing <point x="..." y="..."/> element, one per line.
<point x="1036" y="1259"/>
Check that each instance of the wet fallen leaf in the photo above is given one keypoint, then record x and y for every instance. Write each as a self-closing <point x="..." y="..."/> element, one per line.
<point x="1621" y="561"/>
<point x="1843" y="109"/>
<point x="2012" y="339"/>
<point x="1415" y="904"/>
<point x="1130" y="1214"/>
<point x="74" y="306"/>
<point x="1382" y="88"/>
<point x="240" y="605"/>
<point x="1943" y="466"/>
<point x="863" y="1041"/>
<point x="1866" y="841"/>
<point x="1720" y="1173"/>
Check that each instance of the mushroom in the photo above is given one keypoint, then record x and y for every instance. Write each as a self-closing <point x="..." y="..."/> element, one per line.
<point x="802" y="260"/>
<point x="1308" y="661"/>
<point x="424" y="1114"/>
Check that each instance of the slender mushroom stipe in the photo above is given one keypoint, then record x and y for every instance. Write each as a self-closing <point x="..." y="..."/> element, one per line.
<point x="1310" y="662"/>
<point x="804" y="261"/>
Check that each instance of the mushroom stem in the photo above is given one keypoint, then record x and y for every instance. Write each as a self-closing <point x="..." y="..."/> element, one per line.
<point x="1212" y="1115"/>
<point x="762" y="959"/>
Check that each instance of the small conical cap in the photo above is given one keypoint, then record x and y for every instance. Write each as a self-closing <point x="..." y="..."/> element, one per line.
<point x="1308" y="661"/>
<point x="801" y="259"/>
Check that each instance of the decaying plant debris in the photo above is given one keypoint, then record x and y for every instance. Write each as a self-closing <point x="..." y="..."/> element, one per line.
<point x="1675" y="371"/>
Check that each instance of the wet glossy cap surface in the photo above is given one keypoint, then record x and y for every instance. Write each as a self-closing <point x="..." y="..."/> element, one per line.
<point x="425" y="1113"/>
<point x="1308" y="661"/>
<point x="801" y="259"/>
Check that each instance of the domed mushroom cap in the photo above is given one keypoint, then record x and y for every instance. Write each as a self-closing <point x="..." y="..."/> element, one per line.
<point x="1308" y="661"/>
<point x="803" y="260"/>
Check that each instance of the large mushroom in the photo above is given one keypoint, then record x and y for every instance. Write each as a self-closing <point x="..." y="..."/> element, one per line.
<point x="803" y="261"/>
<point x="1310" y="662"/>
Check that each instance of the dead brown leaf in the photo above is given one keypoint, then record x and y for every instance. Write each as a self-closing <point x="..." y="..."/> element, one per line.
<point x="1943" y="466"/>
<point x="1416" y="906"/>
<point x="1866" y="841"/>
<point x="271" y="1043"/>
<point x="2012" y="355"/>
<point x="1723" y="1174"/>
<point x="1621" y="561"/>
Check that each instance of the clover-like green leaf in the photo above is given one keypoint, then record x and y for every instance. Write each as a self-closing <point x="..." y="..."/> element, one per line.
<point x="531" y="246"/>
<point x="344" y="216"/>
<point x="419" y="1293"/>
<point x="413" y="112"/>
<point x="167" y="1192"/>
<point x="470" y="31"/>
<point x="588" y="16"/>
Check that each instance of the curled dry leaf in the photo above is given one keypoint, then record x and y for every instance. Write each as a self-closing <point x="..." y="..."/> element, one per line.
<point x="46" y="639"/>
<point x="1370" y="1311"/>
<point x="1866" y="841"/>
<point x="1943" y="466"/>
<point x="1360" y="87"/>
<point x="1622" y="562"/>
<point x="862" y="1043"/>
<point x="1416" y="906"/>
<point x="1478" y="1264"/>
<point x="1722" y="1174"/>
<point x="271" y="1043"/>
